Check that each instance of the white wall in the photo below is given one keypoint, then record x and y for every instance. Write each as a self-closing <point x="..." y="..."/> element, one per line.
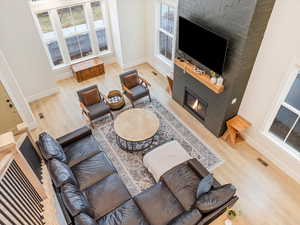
<point x="115" y="30"/>
<point x="151" y="34"/>
<point x="7" y="78"/>
<point x="22" y="47"/>
<point x="281" y="45"/>
<point x="132" y="22"/>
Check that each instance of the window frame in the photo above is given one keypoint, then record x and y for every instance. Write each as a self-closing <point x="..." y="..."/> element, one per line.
<point x="45" y="43"/>
<point x="104" y="9"/>
<point x="52" y="9"/>
<point x="76" y="34"/>
<point x="159" y="29"/>
<point x="292" y="75"/>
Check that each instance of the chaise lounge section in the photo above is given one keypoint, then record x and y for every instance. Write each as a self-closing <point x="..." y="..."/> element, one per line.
<point x="92" y="192"/>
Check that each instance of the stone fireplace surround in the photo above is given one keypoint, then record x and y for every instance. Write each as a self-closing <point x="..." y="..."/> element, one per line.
<point x="213" y="117"/>
<point x="243" y="23"/>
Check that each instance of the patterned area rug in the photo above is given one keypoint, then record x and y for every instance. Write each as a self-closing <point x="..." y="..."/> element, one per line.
<point x="130" y="165"/>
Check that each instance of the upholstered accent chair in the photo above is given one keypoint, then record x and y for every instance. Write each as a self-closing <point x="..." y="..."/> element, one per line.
<point x="134" y="86"/>
<point x="93" y="104"/>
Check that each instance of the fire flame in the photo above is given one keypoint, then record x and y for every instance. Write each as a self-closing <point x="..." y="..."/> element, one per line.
<point x="197" y="106"/>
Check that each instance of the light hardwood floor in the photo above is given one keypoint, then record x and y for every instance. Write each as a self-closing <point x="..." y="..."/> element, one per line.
<point x="267" y="195"/>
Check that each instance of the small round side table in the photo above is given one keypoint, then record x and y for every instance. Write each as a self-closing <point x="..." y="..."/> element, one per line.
<point x="115" y="100"/>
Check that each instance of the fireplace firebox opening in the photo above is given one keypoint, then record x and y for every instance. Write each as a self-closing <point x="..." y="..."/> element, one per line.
<point x="195" y="104"/>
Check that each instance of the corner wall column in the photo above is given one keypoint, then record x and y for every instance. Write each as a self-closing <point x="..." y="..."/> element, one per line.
<point x="13" y="89"/>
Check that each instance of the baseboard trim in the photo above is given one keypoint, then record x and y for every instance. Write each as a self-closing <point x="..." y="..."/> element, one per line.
<point x="42" y="94"/>
<point x="110" y="60"/>
<point x="261" y="149"/>
<point x="134" y="63"/>
<point x="161" y="67"/>
<point x="65" y="73"/>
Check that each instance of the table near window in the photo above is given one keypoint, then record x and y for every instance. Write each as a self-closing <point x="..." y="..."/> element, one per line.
<point x="88" y="69"/>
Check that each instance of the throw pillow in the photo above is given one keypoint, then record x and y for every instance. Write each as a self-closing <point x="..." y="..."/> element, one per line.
<point x="61" y="173"/>
<point x="205" y="185"/>
<point x="50" y="148"/>
<point x="131" y="81"/>
<point x="91" y="97"/>
<point x="215" y="198"/>
<point x="74" y="200"/>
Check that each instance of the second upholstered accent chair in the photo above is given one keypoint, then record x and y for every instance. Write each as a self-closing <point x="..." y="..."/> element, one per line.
<point x="134" y="86"/>
<point x="93" y="104"/>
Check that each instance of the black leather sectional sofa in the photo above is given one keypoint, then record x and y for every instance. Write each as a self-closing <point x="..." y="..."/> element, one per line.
<point x="93" y="193"/>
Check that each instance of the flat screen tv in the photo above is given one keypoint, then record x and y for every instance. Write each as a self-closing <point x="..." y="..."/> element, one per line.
<point x="202" y="45"/>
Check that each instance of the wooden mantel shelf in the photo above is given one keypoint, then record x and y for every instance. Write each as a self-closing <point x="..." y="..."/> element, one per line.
<point x="203" y="78"/>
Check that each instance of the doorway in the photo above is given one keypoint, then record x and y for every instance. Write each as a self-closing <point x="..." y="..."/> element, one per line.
<point x="9" y="117"/>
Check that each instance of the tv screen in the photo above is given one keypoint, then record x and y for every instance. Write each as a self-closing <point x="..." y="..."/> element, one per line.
<point x="202" y="45"/>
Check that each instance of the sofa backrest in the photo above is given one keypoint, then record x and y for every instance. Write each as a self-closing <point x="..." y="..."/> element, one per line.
<point x="170" y="201"/>
<point x="183" y="181"/>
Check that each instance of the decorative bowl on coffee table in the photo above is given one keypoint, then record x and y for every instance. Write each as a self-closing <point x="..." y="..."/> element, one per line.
<point x="115" y="100"/>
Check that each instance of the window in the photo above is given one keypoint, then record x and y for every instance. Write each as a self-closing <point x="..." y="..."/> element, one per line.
<point x="50" y="38"/>
<point x="72" y="33"/>
<point x="99" y="26"/>
<point x="166" y="31"/>
<point x="75" y="31"/>
<point x="286" y="125"/>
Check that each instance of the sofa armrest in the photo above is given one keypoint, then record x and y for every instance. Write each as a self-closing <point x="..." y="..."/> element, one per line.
<point x="63" y="208"/>
<point x="187" y="218"/>
<point x="201" y="170"/>
<point x="215" y="214"/>
<point x="74" y="136"/>
<point x="127" y="90"/>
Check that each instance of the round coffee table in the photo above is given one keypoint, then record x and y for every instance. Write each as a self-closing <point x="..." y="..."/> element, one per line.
<point x="135" y="129"/>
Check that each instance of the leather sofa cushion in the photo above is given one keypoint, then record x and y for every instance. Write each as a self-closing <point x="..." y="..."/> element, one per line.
<point x="50" y="148"/>
<point x="107" y="195"/>
<point x="205" y="185"/>
<point x="98" y="110"/>
<point x="131" y="80"/>
<point x="126" y="214"/>
<point x="138" y="92"/>
<point x="74" y="200"/>
<point x="74" y="136"/>
<point x="183" y="182"/>
<point x="81" y="150"/>
<point x="93" y="170"/>
<point x="61" y="174"/>
<point x="215" y="198"/>
<point x="84" y="219"/>
<point x="158" y="204"/>
<point x="187" y="218"/>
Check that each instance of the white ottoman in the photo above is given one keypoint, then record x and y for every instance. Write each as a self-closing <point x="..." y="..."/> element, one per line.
<point x="165" y="157"/>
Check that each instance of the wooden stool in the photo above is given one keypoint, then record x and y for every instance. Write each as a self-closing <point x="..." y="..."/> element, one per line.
<point x="235" y="127"/>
